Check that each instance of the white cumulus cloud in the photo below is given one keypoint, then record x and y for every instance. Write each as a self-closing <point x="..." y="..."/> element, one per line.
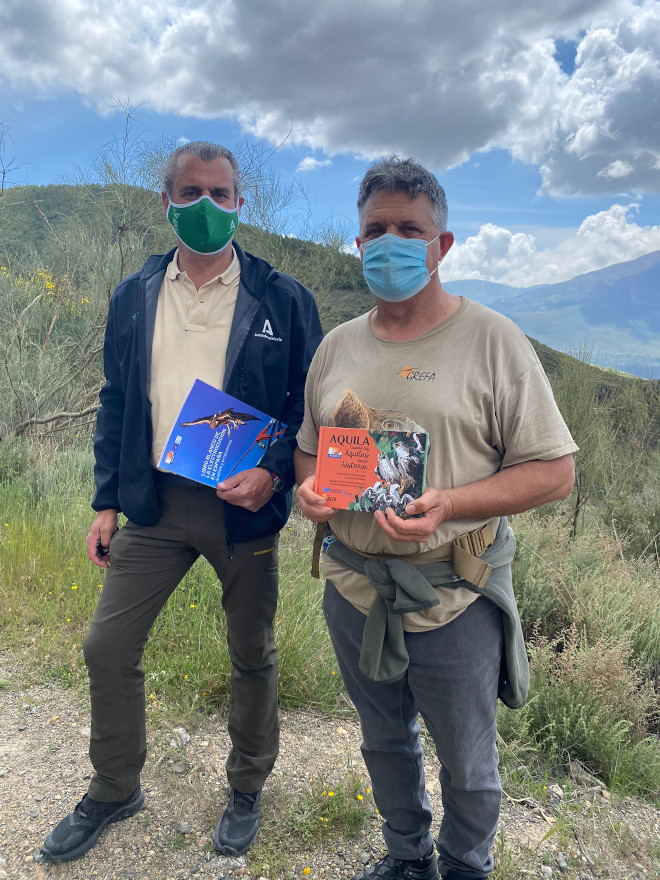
<point x="436" y="82"/>
<point x="311" y="164"/>
<point x="616" y="169"/>
<point x="498" y="254"/>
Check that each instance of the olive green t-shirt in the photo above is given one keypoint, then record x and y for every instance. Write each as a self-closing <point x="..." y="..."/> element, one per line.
<point x="474" y="383"/>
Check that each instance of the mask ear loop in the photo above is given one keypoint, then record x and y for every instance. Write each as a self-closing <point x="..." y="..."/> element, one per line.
<point x="441" y="258"/>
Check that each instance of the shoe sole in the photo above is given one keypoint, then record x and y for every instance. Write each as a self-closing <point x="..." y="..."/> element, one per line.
<point x="226" y="850"/>
<point x="230" y="850"/>
<point x="124" y="812"/>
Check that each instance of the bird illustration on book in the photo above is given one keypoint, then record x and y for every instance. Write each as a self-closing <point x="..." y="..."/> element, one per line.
<point x="228" y="417"/>
<point x="405" y="468"/>
<point x="352" y="412"/>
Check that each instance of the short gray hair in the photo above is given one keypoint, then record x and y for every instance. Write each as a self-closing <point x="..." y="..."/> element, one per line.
<point x="393" y="175"/>
<point x="204" y="150"/>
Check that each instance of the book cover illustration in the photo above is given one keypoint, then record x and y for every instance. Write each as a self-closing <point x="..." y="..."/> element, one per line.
<point x="216" y="436"/>
<point x="369" y="470"/>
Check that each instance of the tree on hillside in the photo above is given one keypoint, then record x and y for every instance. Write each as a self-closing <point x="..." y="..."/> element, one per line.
<point x="8" y="163"/>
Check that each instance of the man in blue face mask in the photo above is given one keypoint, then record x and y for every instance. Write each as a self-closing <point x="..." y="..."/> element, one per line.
<point x="423" y="359"/>
<point x="205" y="310"/>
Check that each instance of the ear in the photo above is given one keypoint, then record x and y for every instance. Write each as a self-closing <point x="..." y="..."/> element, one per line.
<point x="165" y="200"/>
<point x="358" y="244"/>
<point x="446" y="241"/>
<point x="241" y="202"/>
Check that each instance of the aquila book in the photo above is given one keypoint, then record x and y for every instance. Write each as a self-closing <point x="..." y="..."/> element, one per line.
<point x="216" y="436"/>
<point x="359" y="469"/>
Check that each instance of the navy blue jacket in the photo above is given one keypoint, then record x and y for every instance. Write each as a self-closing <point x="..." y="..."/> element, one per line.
<point x="268" y="372"/>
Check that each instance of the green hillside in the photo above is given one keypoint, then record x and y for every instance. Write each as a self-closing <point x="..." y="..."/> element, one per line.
<point x="26" y="241"/>
<point x="94" y="235"/>
<point x="74" y="243"/>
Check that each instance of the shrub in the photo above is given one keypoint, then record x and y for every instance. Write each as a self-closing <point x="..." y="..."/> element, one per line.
<point x="590" y="702"/>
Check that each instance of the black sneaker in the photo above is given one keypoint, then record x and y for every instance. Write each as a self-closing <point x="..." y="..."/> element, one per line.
<point x="402" y="869"/>
<point x="238" y="827"/>
<point x="79" y="831"/>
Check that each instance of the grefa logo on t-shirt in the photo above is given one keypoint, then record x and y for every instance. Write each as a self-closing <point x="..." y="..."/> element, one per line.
<point x="412" y="374"/>
<point x="267" y="332"/>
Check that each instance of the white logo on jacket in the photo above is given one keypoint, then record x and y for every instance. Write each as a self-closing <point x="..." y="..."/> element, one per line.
<point x="267" y="333"/>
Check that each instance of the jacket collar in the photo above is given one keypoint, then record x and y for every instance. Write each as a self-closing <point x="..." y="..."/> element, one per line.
<point x="256" y="277"/>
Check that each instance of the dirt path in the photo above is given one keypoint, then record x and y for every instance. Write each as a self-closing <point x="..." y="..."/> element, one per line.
<point x="44" y="770"/>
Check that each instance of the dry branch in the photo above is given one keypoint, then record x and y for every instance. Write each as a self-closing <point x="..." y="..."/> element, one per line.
<point x="55" y="417"/>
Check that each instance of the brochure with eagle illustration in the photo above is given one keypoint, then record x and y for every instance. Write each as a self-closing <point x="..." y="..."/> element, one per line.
<point x="362" y="469"/>
<point x="216" y="436"/>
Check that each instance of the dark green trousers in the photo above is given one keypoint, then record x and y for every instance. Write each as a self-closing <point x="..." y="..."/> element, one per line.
<point x="146" y="565"/>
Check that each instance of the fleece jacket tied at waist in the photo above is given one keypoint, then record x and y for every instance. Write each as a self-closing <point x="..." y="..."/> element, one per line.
<point x="402" y="587"/>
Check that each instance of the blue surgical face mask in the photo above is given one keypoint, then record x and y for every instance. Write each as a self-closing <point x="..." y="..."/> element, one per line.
<point x="394" y="267"/>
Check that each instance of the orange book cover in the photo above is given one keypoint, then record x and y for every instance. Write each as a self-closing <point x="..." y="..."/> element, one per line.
<point x="358" y="469"/>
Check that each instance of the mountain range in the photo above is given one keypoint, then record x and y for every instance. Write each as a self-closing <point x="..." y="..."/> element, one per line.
<point x="610" y="317"/>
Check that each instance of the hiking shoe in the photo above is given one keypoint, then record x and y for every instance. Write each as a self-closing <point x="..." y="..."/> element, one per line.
<point x="238" y="827"/>
<point x="79" y="831"/>
<point x="402" y="869"/>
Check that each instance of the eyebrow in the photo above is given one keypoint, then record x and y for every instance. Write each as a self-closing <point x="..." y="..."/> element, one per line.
<point x="380" y="224"/>
<point x="218" y="190"/>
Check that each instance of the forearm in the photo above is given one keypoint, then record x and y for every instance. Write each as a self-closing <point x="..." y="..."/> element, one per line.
<point x="513" y="489"/>
<point x="109" y="424"/>
<point x="304" y="464"/>
<point x="311" y="504"/>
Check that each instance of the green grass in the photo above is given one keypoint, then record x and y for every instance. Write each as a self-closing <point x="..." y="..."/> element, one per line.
<point x="324" y="810"/>
<point x="588" y="702"/>
<point x="588" y="583"/>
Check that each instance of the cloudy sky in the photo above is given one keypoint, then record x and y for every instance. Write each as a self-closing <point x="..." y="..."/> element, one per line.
<point x="542" y="120"/>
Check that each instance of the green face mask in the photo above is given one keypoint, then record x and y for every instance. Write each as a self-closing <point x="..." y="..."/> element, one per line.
<point x="203" y="226"/>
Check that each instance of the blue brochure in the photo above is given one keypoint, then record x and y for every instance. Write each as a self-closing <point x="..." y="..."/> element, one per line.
<point x="216" y="436"/>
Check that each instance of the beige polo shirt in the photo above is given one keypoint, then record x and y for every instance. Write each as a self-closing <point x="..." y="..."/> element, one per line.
<point x="190" y="342"/>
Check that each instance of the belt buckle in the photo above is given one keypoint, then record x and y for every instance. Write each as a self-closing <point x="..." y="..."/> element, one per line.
<point x="476" y="542"/>
<point x="480" y="539"/>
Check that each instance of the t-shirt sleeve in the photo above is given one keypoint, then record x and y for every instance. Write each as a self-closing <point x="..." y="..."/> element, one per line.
<point x="529" y="420"/>
<point x="308" y="435"/>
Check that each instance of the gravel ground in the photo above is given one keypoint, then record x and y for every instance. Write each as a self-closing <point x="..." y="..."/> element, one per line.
<point x="44" y="770"/>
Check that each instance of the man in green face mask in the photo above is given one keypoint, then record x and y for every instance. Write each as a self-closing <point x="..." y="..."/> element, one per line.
<point x="206" y="310"/>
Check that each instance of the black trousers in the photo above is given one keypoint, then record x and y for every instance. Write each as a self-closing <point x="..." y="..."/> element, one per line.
<point x="146" y="565"/>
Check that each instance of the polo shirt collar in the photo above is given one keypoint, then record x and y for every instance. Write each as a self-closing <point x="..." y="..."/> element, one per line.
<point x="226" y="278"/>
